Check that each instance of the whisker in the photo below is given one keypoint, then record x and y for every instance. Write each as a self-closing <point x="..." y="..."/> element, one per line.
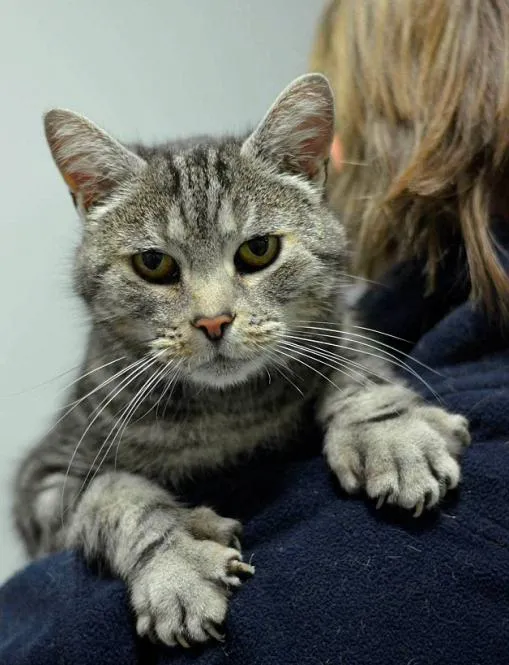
<point x="387" y="357"/>
<point x="313" y="369"/>
<point x="358" y="368"/>
<point x="145" y="391"/>
<point x="167" y="369"/>
<point x="77" y="402"/>
<point x="373" y="342"/>
<point x="318" y="355"/>
<point x="92" y="371"/>
<point x="349" y="163"/>
<point x="133" y="402"/>
<point x="364" y="370"/>
<point x="174" y="382"/>
<point x="373" y="330"/>
<point x="40" y="385"/>
<point x="125" y="418"/>
<point x="281" y="372"/>
<point x="173" y="370"/>
<point x="359" y="278"/>
<point x="278" y="365"/>
<point x="136" y="369"/>
<point x="392" y="359"/>
<point x="379" y="332"/>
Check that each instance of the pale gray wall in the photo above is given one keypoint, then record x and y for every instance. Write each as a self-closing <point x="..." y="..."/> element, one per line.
<point x="148" y="70"/>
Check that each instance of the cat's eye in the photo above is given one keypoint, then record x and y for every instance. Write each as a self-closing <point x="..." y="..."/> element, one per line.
<point x="257" y="253"/>
<point x="156" y="267"/>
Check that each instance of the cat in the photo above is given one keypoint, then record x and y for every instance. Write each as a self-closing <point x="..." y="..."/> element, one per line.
<point x="213" y="271"/>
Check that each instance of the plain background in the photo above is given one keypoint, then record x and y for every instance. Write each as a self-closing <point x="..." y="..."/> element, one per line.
<point x="149" y="70"/>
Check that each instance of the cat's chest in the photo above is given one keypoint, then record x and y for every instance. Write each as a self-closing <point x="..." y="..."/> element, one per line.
<point x="209" y="437"/>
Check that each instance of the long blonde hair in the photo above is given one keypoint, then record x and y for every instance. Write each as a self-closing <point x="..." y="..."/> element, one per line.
<point x="422" y="96"/>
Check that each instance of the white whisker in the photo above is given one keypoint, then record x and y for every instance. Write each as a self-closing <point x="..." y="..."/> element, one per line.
<point x="77" y="402"/>
<point x="345" y="333"/>
<point x="348" y="361"/>
<point x="319" y="356"/>
<point x="333" y="327"/>
<point x="40" y="385"/>
<point x="124" y="417"/>
<point x="313" y="369"/>
<point x="278" y="366"/>
<point x="172" y="371"/>
<point x="137" y="368"/>
<point x="173" y="383"/>
<point x="379" y="332"/>
<point x="386" y="357"/>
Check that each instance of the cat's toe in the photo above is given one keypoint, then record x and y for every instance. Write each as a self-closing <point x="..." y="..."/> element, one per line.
<point x="205" y="524"/>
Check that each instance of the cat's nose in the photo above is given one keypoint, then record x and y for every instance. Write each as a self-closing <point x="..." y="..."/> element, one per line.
<point x="214" y="327"/>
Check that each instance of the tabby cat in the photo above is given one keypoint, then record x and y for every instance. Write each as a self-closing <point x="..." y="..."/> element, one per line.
<point x="214" y="275"/>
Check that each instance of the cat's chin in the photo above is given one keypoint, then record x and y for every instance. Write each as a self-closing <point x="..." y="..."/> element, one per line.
<point x="223" y="373"/>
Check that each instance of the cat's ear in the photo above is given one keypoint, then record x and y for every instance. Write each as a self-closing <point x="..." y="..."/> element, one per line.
<point x="92" y="163"/>
<point x="296" y="134"/>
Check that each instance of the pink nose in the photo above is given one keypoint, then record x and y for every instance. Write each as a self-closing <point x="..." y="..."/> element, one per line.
<point x="214" y="327"/>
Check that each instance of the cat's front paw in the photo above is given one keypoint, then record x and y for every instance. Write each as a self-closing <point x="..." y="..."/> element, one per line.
<point x="180" y="596"/>
<point x="408" y="459"/>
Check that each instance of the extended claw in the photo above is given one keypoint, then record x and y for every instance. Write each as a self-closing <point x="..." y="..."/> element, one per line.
<point x="381" y="501"/>
<point x="442" y="488"/>
<point x="419" y="508"/>
<point x="237" y="567"/>
<point x="182" y="641"/>
<point x="214" y="633"/>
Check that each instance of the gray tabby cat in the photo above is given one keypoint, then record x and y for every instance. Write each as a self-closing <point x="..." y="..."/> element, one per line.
<point x="213" y="274"/>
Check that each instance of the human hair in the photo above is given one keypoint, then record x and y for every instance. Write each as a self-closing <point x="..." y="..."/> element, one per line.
<point x="422" y="100"/>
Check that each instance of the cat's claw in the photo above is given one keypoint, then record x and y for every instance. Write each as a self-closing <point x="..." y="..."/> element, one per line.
<point x="237" y="567"/>
<point x="419" y="508"/>
<point x="214" y="633"/>
<point x="409" y="461"/>
<point x="182" y="641"/>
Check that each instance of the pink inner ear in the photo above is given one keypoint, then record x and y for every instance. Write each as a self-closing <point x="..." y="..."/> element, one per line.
<point x="314" y="151"/>
<point x="80" y="185"/>
<point x="83" y="186"/>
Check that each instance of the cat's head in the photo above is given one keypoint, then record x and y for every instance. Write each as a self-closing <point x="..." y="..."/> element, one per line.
<point x="208" y="252"/>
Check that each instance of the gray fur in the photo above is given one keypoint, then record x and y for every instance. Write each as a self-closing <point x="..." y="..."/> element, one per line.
<point x="155" y="402"/>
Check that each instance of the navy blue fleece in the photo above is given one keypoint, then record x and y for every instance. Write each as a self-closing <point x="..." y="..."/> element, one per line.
<point x="336" y="581"/>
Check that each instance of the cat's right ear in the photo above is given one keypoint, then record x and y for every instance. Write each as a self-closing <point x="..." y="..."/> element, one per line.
<point x="296" y="134"/>
<point x="92" y="163"/>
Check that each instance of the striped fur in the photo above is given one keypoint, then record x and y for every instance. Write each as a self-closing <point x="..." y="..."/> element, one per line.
<point x="157" y="401"/>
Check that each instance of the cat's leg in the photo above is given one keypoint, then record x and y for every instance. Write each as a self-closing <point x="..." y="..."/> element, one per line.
<point x="383" y="438"/>
<point x="180" y="564"/>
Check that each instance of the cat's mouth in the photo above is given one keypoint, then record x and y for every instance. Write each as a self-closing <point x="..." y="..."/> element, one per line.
<point x="222" y="370"/>
<point x="223" y="364"/>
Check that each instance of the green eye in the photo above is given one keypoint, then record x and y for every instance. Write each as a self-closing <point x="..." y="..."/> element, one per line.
<point x="156" y="267"/>
<point x="257" y="253"/>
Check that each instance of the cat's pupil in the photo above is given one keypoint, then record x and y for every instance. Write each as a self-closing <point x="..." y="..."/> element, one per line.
<point x="152" y="259"/>
<point x="258" y="246"/>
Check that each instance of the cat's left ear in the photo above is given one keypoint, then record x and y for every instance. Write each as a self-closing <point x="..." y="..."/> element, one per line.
<point x="296" y="134"/>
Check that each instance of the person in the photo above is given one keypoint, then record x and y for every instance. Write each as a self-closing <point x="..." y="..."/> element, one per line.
<point x="422" y="146"/>
<point x="420" y="160"/>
